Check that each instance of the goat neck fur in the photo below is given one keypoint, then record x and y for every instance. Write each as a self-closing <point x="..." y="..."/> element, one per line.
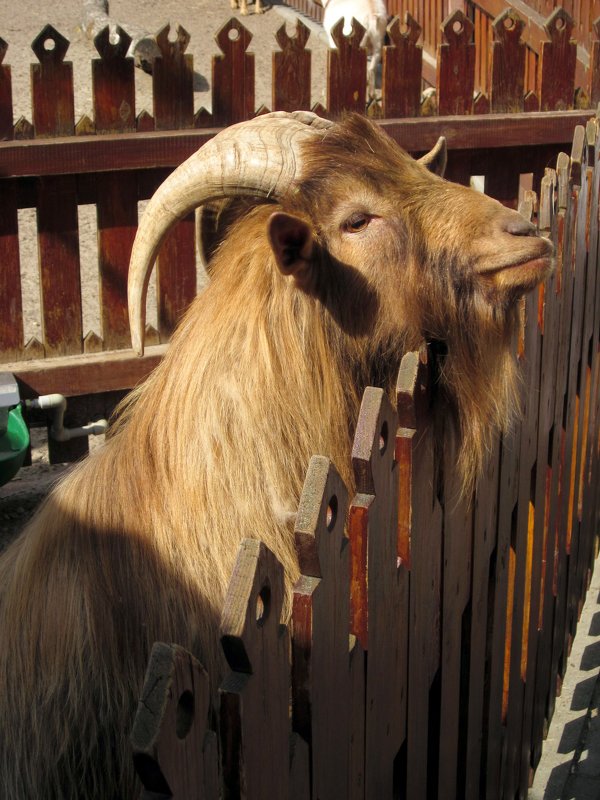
<point x="309" y="301"/>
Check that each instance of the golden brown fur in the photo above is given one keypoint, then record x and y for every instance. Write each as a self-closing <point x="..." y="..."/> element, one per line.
<point x="138" y="543"/>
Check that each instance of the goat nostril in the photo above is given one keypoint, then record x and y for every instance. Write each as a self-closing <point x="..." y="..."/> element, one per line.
<point x="519" y="226"/>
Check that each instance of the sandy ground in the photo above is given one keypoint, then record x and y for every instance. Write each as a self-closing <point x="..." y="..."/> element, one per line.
<point x="19" y="27"/>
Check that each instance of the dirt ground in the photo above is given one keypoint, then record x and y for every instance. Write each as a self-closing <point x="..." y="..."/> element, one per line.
<point x="19" y="27"/>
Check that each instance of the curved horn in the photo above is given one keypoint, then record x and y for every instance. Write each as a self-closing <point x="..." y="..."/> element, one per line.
<point x="435" y="160"/>
<point x="260" y="157"/>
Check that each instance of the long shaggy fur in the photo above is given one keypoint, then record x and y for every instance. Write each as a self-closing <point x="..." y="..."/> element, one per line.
<point x="137" y="544"/>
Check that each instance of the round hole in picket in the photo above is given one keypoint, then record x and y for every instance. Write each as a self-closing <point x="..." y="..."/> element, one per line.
<point x="263" y="605"/>
<point x="383" y="438"/>
<point x="331" y="513"/>
<point x="509" y="23"/>
<point x="560" y="23"/>
<point x="49" y="45"/>
<point x="457" y="27"/>
<point x="233" y="34"/>
<point x="184" y="715"/>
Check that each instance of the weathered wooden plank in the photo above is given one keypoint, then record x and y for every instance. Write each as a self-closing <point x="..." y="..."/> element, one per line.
<point x="485" y="526"/>
<point x="52" y="85"/>
<point x="117" y="225"/>
<point x="6" y="107"/>
<point x="456" y="623"/>
<point x="174" y="750"/>
<point x="11" y="307"/>
<point x="556" y="68"/>
<point x="292" y="70"/>
<point x="346" y="71"/>
<point x="321" y="615"/>
<point x="233" y="75"/>
<point x="420" y="546"/>
<point x="507" y="74"/>
<point x="173" y="81"/>
<point x="402" y="65"/>
<point x="567" y="200"/>
<point x="60" y="280"/>
<point x="377" y="499"/>
<point x="254" y="696"/>
<point x="145" y="151"/>
<point x="113" y="85"/>
<point x="84" y="374"/>
<point x="456" y="66"/>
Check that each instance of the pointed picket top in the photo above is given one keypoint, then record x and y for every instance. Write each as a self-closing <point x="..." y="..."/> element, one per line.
<point x="531" y="102"/>
<point x="577" y="155"/>
<point x="297" y="41"/>
<point x="407" y="29"/>
<point x="85" y="126"/>
<point x="546" y="212"/>
<point x="321" y="518"/>
<point x="562" y="172"/>
<point x="457" y="29"/>
<point x="232" y="36"/>
<point x="481" y="104"/>
<point x="508" y="26"/>
<point x="203" y="118"/>
<point x="23" y="129"/>
<point x="373" y="448"/>
<point x="92" y="343"/>
<point x="34" y="349"/>
<point x="253" y="605"/>
<point x="176" y="47"/>
<point x="559" y="25"/>
<point x="262" y="109"/>
<point x="3" y="49"/>
<point x="354" y="38"/>
<point x="50" y="46"/>
<point x="115" y="47"/>
<point x="151" y="336"/>
<point x="145" y="122"/>
<point x="320" y="110"/>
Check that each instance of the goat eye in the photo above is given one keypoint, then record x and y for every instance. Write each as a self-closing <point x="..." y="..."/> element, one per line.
<point x="356" y="223"/>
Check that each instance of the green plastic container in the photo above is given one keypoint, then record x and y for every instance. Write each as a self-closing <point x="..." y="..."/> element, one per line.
<point x="14" y="441"/>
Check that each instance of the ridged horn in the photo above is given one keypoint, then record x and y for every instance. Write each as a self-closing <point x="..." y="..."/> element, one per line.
<point x="260" y="158"/>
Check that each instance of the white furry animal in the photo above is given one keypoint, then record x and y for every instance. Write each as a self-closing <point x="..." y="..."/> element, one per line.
<point x="348" y="254"/>
<point x="259" y="6"/>
<point x="372" y="15"/>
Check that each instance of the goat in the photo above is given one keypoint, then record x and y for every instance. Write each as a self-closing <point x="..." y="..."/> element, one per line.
<point x="348" y="254"/>
<point x="372" y="15"/>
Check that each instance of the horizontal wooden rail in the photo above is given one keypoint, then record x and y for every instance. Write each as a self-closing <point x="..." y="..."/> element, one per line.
<point x="83" y="374"/>
<point x="126" y="151"/>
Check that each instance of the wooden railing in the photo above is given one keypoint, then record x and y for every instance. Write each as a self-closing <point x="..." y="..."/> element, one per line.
<point x="460" y="615"/>
<point x="56" y="165"/>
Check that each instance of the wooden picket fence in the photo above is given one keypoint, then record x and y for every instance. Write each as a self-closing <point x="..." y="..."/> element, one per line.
<point x="55" y="165"/>
<point x="428" y="635"/>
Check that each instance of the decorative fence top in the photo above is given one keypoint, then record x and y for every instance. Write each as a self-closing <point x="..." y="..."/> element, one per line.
<point x="233" y="77"/>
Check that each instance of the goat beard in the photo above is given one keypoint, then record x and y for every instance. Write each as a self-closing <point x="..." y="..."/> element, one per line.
<point x="480" y="384"/>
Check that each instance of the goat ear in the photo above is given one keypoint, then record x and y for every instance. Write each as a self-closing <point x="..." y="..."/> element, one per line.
<point x="292" y="244"/>
<point x="436" y="159"/>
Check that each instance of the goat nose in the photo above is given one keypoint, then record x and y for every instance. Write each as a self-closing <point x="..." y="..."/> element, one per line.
<point x="519" y="226"/>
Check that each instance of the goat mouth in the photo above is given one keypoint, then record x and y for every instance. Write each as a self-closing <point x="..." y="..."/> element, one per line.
<point x="517" y="279"/>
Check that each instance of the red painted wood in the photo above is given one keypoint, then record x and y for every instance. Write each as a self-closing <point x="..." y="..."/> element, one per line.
<point x="292" y="70"/>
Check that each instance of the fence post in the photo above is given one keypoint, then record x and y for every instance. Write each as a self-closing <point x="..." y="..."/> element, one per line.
<point x="174" y="751"/>
<point x="291" y="70"/>
<point x="456" y="66"/>
<point x="346" y="71"/>
<point x="401" y="69"/>
<point x="556" y="65"/>
<point x="254" y="717"/>
<point x="321" y="616"/>
<point x="374" y="514"/>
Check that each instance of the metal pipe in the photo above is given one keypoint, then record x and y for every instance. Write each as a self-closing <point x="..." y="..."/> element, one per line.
<point x="57" y="403"/>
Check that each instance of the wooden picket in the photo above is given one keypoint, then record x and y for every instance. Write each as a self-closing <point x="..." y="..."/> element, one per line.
<point x="460" y="613"/>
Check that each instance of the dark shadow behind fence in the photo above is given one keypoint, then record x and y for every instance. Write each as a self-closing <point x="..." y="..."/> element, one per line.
<point x="428" y="635"/>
